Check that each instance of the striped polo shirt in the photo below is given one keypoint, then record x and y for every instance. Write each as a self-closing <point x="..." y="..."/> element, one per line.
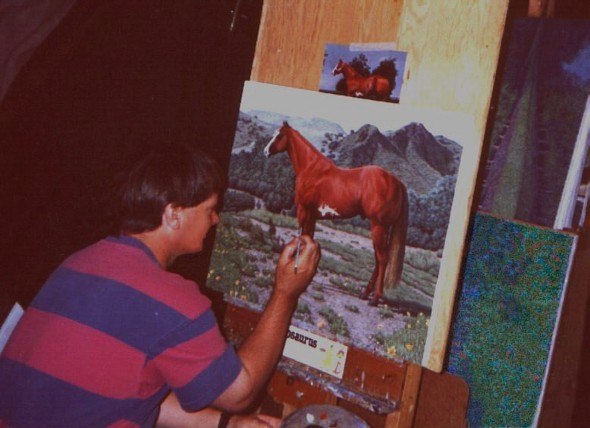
<point x="107" y="337"/>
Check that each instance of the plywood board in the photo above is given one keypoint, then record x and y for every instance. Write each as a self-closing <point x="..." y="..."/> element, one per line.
<point x="453" y="48"/>
<point x="293" y="35"/>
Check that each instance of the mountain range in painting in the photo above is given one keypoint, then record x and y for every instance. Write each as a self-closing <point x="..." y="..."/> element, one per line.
<point x="417" y="157"/>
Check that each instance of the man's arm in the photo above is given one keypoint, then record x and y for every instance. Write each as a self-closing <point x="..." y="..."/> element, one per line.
<point x="261" y="351"/>
<point x="172" y="416"/>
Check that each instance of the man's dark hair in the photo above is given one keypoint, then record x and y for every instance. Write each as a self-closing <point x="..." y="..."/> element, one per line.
<point x="172" y="174"/>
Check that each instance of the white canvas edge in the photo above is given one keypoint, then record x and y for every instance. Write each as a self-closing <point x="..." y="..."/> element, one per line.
<point x="555" y="329"/>
<point x="565" y="210"/>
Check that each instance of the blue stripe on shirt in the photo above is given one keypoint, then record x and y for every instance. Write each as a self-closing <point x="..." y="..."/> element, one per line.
<point x="49" y="402"/>
<point x="131" y="317"/>
<point x="192" y="329"/>
<point x="216" y="379"/>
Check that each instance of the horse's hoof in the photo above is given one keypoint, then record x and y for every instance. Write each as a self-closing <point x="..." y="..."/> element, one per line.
<point x="375" y="300"/>
<point x="364" y="296"/>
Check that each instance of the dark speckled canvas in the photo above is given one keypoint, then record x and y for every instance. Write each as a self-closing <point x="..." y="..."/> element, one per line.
<point x="515" y="276"/>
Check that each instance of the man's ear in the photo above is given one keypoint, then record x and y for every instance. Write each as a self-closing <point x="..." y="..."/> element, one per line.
<point x="171" y="216"/>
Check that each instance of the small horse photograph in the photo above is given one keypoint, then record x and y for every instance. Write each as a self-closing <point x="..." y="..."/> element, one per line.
<point x="373" y="183"/>
<point x="363" y="71"/>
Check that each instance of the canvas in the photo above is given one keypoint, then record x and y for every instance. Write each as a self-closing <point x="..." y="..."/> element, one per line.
<point x="543" y="90"/>
<point x="512" y="293"/>
<point x="433" y="153"/>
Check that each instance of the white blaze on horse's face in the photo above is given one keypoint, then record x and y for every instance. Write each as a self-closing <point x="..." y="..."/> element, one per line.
<point x="326" y="210"/>
<point x="336" y="69"/>
<point x="270" y="143"/>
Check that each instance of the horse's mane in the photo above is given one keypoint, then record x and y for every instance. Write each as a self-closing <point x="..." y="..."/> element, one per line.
<point x="313" y="148"/>
<point x="354" y="72"/>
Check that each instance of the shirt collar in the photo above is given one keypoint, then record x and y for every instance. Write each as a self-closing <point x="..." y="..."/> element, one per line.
<point x="134" y="242"/>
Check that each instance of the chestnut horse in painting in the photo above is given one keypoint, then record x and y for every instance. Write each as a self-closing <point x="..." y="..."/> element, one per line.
<point x="374" y="86"/>
<point x="325" y="191"/>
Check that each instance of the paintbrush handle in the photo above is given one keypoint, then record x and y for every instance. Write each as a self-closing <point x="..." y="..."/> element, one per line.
<point x="297" y="251"/>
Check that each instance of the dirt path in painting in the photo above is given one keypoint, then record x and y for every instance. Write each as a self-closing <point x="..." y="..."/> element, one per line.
<point x="362" y="320"/>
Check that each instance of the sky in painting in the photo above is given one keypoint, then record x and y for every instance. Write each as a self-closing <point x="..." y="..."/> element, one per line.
<point x="352" y="113"/>
<point x="580" y="66"/>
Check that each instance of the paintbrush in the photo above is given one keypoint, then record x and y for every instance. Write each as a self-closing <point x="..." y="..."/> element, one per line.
<point x="297" y="252"/>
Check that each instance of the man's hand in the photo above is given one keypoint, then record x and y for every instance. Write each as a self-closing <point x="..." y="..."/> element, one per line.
<point x="172" y="416"/>
<point x="253" y="421"/>
<point x="262" y="349"/>
<point x="297" y="265"/>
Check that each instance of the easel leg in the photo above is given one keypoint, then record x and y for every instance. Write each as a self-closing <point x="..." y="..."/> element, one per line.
<point x="404" y="417"/>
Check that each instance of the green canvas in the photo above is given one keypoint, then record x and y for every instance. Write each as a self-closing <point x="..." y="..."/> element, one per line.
<point x="515" y="277"/>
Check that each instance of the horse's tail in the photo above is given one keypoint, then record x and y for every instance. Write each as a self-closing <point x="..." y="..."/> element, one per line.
<point x="397" y="244"/>
<point x="379" y="87"/>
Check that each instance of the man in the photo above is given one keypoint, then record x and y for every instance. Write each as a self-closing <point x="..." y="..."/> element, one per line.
<point x="112" y="333"/>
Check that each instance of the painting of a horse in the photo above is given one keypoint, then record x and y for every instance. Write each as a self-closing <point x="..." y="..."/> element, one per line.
<point x="326" y="191"/>
<point x="373" y="87"/>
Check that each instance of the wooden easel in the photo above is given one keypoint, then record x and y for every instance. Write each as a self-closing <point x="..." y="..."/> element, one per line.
<point x="453" y="49"/>
<point x="383" y="392"/>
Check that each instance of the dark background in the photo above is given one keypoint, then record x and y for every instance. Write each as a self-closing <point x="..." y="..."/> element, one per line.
<point x="111" y="79"/>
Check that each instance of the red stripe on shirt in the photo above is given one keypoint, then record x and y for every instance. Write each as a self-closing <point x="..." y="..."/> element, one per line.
<point x="123" y="424"/>
<point x="181" y="364"/>
<point x="77" y="354"/>
<point x="97" y="260"/>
